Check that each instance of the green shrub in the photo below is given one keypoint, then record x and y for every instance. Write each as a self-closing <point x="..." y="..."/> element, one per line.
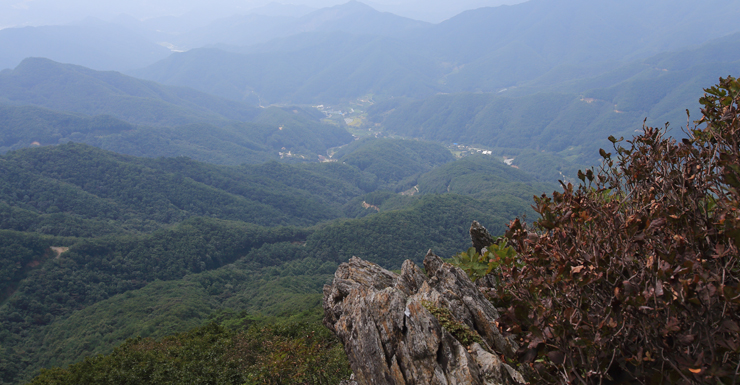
<point x="476" y="265"/>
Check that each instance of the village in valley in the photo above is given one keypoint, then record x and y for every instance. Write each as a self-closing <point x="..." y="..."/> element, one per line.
<point x="354" y="118"/>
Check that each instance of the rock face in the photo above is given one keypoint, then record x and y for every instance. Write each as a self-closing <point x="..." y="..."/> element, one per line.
<point x="386" y="324"/>
<point x="480" y="236"/>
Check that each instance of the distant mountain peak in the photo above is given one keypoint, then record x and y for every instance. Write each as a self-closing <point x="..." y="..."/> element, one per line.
<point x="355" y="17"/>
<point x="355" y="5"/>
<point x="351" y="7"/>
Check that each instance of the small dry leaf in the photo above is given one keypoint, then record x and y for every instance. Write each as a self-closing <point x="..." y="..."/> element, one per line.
<point x="576" y="269"/>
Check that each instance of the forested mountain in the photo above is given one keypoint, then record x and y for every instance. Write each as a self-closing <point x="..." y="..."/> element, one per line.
<point x="119" y="193"/>
<point x="204" y="237"/>
<point x="71" y="88"/>
<point x="356" y="18"/>
<point x="495" y="48"/>
<point x="142" y="118"/>
<point x="482" y="177"/>
<point x="255" y="28"/>
<point x="393" y="161"/>
<point x="20" y="126"/>
<point x="485" y="49"/>
<point x="482" y="50"/>
<point x="571" y="118"/>
<point x="298" y="135"/>
<point x="321" y="67"/>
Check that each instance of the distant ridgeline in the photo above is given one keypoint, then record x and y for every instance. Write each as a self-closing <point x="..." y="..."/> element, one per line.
<point x="351" y="50"/>
<point x="89" y="235"/>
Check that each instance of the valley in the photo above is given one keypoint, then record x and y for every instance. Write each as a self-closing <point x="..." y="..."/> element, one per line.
<point x="157" y="197"/>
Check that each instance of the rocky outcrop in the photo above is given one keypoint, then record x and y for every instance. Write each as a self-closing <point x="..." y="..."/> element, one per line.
<point x="414" y="328"/>
<point x="480" y="237"/>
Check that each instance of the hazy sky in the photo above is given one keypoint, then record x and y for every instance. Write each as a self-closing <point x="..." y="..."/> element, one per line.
<point x="45" y="12"/>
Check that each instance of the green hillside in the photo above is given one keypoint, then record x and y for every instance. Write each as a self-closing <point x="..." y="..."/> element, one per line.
<point x="330" y="67"/>
<point x="104" y="192"/>
<point x="204" y="238"/>
<point x="274" y="131"/>
<point x="42" y="103"/>
<point x="71" y="88"/>
<point x="489" y="49"/>
<point x="233" y="349"/>
<point x="396" y="164"/>
<point x="573" y="124"/>
<point x="550" y="122"/>
<point x="64" y="307"/>
<point x="20" y="126"/>
<point x="482" y="177"/>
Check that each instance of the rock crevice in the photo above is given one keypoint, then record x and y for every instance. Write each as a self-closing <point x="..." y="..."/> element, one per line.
<point x="391" y="337"/>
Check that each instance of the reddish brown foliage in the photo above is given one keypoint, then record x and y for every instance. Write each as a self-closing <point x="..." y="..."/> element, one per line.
<point x="633" y="275"/>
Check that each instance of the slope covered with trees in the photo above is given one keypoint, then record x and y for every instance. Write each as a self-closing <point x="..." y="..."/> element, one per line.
<point x="235" y="350"/>
<point x="43" y="103"/>
<point x="395" y="164"/>
<point x="90" y="236"/>
<point x="571" y="118"/>
<point x="72" y="88"/>
<point x="276" y="130"/>
<point x="139" y="194"/>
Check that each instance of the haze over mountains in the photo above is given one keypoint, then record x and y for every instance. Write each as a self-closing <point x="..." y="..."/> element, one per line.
<point x="592" y="59"/>
<point x="189" y="13"/>
<point x="284" y="139"/>
<point x="486" y="50"/>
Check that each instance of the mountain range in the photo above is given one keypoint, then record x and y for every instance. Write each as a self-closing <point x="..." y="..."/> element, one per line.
<point x="482" y="50"/>
<point x="234" y="177"/>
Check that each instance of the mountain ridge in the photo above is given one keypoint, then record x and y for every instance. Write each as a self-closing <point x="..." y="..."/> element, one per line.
<point x="73" y="88"/>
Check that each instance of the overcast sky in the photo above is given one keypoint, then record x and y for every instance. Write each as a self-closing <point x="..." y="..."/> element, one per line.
<point x="46" y="12"/>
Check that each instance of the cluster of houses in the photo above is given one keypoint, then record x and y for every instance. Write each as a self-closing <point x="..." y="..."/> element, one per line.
<point x="471" y="150"/>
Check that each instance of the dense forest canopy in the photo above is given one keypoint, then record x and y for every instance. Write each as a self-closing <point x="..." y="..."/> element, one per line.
<point x="91" y="235"/>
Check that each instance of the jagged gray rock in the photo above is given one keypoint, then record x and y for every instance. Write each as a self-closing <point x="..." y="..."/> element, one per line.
<point x="391" y="337"/>
<point x="480" y="236"/>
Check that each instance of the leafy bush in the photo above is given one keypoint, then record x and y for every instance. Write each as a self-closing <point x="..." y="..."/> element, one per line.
<point x="477" y="265"/>
<point x="633" y="275"/>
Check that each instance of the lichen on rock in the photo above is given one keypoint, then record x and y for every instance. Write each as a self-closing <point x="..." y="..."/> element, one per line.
<point x="391" y="336"/>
